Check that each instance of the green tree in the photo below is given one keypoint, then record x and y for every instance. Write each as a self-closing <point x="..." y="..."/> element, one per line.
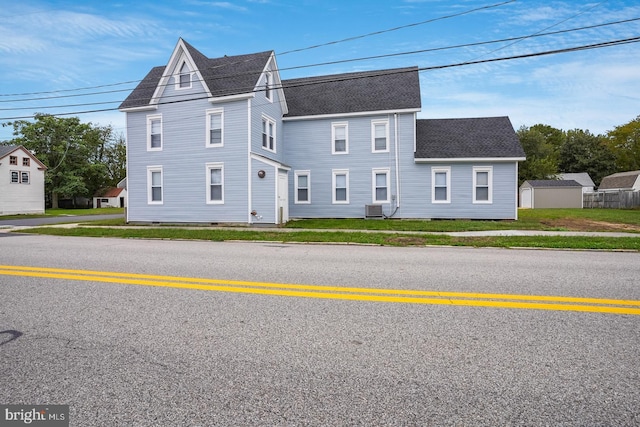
<point x="541" y="145"/>
<point x="72" y="151"/>
<point x="624" y="143"/>
<point x="584" y="152"/>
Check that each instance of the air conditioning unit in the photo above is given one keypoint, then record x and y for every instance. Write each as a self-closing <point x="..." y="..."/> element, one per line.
<point x="373" y="211"/>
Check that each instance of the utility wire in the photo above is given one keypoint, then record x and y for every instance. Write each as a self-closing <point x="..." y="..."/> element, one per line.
<point x="386" y="72"/>
<point x="291" y="51"/>
<point x="414" y="52"/>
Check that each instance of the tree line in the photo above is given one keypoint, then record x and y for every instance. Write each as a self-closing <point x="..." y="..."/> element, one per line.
<point x="551" y="151"/>
<point x="81" y="158"/>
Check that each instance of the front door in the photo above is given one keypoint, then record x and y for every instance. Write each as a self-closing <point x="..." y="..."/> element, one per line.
<point x="283" y="197"/>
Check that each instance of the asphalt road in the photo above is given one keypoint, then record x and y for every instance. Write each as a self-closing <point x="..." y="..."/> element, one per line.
<point x="163" y="355"/>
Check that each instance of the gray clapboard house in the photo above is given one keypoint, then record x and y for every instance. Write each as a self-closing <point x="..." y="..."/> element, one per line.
<point x="224" y="140"/>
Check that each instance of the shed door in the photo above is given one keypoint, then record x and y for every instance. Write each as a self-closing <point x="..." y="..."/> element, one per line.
<point x="525" y="198"/>
<point x="283" y="197"/>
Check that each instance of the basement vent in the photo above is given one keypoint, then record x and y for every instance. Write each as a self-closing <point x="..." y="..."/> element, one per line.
<point x="373" y="211"/>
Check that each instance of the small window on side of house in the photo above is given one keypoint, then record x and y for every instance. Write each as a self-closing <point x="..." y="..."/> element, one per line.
<point x="339" y="138"/>
<point x="26" y="161"/>
<point x="184" y="77"/>
<point x="441" y="185"/>
<point x="154" y="133"/>
<point x="13" y="160"/>
<point x="303" y="186"/>
<point x="24" y="177"/>
<point x="15" y="177"/>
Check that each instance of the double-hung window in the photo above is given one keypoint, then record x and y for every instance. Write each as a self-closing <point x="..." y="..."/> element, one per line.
<point x="380" y="179"/>
<point x="441" y="185"/>
<point x="340" y="184"/>
<point x="21" y="177"/>
<point x="215" y="183"/>
<point x="154" y="133"/>
<point x="303" y="186"/>
<point x="339" y="138"/>
<point x="380" y="136"/>
<point x="215" y="120"/>
<point x="154" y="185"/>
<point x="482" y="184"/>
<point x="268" y="134"/>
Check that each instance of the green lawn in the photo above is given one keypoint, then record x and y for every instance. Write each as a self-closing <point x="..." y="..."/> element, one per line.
<point x="528" y="219"/>
<point x="396" y="232"/>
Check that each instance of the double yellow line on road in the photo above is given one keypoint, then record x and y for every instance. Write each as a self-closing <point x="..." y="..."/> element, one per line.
<point x="558" y="303"/>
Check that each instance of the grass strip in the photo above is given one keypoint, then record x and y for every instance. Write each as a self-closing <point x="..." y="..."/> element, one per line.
<point x="386" y="239"/>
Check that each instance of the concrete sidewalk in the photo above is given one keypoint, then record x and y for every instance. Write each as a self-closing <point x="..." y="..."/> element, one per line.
<point x="485" y="233"/>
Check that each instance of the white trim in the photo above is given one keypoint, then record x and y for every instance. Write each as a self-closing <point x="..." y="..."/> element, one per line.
<point x="375" y="122"/>
<point x="357" y="114"/>
<point x="518" y="193"/>
<point x="208" y="114"/>
<point x="228" y="98"/>
<point x="272" y="132"/>
<point x="150" y="119"/>
<point x="442" y="169"/>
<point x="150" y="170"/>
<point x="374" y="187"/>
<point x="134" y="109"/>
<point x="265" y="160"/>
<point x="335" y="125"/>
<point x="334" y="173"/>
<point x="470" y="159"/>
<point x="296" y="174"/>
<point x="208" y="168"/>
<point x="489" y="170"/>
<point x="397" y="171"/>
<point x="249" y="165"/>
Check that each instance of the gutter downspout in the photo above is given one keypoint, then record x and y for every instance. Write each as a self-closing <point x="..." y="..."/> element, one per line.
<point x="395" y="116"/>
<point x="249" y="189"/>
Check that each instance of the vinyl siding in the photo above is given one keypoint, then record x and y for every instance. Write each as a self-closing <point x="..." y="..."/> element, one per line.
<point x="309" y="148"/>
<point x="184" y="157"/>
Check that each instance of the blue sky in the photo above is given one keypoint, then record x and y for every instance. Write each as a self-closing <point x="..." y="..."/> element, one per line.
<point x="49" y="49"/>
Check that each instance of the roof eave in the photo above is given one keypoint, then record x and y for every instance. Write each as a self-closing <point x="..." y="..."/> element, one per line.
<point x="469" y="159"/>
<point x="354" y="114"/>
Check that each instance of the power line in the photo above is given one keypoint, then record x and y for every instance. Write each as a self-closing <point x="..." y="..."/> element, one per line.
<point x="414" y="52"/>
<point x="290" y="51"/>
<point x="375" y="33"/>
<point x="388" y="72"/>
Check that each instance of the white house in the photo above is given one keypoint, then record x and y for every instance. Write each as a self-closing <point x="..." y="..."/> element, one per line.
<point x="21" y="181"/>
<point x="112" y="197"/>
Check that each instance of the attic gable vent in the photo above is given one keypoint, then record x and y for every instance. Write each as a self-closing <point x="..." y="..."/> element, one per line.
<point x="373" y="211"/>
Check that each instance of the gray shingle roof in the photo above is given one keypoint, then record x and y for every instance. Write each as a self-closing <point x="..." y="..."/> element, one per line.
<point x="384" y="90"/>
<point x="6" y="149"/>
<point x="553" y="183"/>
<point x="467" y="138"/>
<point x="583" y="178"/>
<point x="228" y="75"/>
<point x="619" y="180"/>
